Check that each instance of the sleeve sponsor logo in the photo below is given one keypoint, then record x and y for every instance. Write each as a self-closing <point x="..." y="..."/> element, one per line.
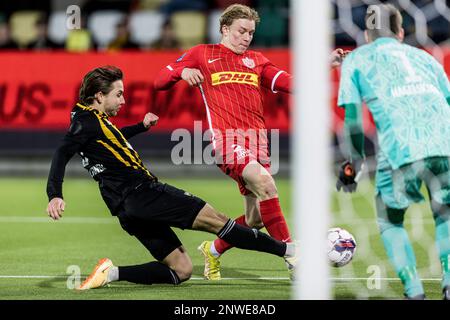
<point x="181" y="58"/>
<point x="234" y="77"/>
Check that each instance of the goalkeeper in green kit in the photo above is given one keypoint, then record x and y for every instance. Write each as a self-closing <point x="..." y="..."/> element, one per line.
<point x="408" y="94"/>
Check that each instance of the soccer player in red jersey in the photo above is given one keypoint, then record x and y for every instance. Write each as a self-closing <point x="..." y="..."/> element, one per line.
<point x="230" y="78"/>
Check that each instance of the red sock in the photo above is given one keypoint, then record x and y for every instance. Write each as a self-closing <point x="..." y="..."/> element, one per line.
<point x="273" y="219"/>
<point x="221" y="245"/>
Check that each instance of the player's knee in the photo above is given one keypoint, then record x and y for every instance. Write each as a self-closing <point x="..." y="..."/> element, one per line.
<point x="388" y="217"/>
<point x="270" y="190"/>
<point x="266" y="188"/>
<point x="390" y="221"/>
<point x="384" y="224"/>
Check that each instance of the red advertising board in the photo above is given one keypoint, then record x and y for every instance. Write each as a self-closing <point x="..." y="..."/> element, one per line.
<point x="38" y="90"/>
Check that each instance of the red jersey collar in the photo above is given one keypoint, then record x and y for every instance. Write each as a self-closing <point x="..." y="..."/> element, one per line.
<point x="231" y="51"/>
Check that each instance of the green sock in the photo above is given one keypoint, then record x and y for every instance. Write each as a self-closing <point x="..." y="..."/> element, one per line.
<point x="443" y="247"/>
<point x="401" y="254"/>
<point x="411" y="281"/>
<point x="445" y="262"/>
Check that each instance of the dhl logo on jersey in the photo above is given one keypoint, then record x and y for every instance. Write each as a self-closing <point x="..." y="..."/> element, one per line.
<point x="234" y="77"/>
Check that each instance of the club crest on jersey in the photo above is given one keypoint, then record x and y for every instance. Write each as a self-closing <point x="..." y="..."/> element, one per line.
<point x="249" y="63"/>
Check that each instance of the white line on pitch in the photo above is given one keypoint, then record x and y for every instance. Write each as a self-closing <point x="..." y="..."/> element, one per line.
<point x="198" y="278"/>
<point x="381" y="279"/>
<point x="29" y="219"/>
<point x="32" y="277"/>
<point x="193" y="278"/>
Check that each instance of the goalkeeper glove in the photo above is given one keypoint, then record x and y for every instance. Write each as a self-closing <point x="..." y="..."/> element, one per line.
<point x="349" y="173"/>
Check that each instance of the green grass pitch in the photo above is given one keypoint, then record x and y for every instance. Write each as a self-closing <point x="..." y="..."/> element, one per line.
<point x="39" y="257"/>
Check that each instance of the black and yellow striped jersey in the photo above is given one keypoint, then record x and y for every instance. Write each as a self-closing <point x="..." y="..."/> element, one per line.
<point x="106" y="155"/>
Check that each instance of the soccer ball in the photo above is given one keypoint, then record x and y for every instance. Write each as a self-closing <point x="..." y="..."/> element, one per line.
<point x="341" y="247"/>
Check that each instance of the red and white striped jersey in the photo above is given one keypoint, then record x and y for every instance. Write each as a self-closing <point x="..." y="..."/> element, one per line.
<point x="232" y="84"/>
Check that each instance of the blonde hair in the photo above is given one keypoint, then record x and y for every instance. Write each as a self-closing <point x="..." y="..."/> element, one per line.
<point x="237" y="11"/>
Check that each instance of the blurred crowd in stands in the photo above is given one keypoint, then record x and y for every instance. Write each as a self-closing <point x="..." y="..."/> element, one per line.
<point x="180" y="24"/>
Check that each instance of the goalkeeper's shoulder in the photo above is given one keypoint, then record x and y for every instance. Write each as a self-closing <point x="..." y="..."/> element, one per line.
<point x="357" y="56"/>
<point x="423" y="55"/>
<point x="359" y="52"/>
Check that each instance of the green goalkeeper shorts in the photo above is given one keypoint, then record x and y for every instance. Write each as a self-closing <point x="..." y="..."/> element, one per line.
<point x="400" y="188"/>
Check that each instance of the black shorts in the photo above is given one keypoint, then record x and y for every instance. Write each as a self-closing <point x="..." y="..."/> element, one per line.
<point x="148" y="213"/>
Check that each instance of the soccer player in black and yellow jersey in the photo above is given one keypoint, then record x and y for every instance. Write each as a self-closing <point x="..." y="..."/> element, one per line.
<point x="145" y="207"/>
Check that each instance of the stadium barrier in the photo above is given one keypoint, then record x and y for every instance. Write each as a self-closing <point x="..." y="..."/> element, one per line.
<point x="38" y="90"/>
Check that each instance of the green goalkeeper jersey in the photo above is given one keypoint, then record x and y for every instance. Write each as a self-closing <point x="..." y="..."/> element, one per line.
<point x="406" y="90"/>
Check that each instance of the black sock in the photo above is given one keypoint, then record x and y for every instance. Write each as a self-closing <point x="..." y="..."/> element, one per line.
<point x="251" y="239"/>
<point x="148" y="273"/>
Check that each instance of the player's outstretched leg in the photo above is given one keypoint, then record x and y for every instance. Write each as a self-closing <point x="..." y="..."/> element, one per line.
<point x="261" y="183"/>
<point x="399" y="249"/>
<point x="148" y="273"/>
<point x="99" y="276"/>
<point x="239" y="236"/>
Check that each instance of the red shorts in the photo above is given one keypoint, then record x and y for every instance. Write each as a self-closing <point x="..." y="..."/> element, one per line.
<point x="236" y="157"/>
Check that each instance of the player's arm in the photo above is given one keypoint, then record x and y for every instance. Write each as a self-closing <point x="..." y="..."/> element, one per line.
<point x="354" y="137"/>
<point x="150" y="120"/>
<point x="185" y="68"/>
<point x="62" y="155"/>
<point x="275" y="79"/>
<point x="354" y="131"/>
<point x="79" y="133"/>
<point x="350" y="98"/>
